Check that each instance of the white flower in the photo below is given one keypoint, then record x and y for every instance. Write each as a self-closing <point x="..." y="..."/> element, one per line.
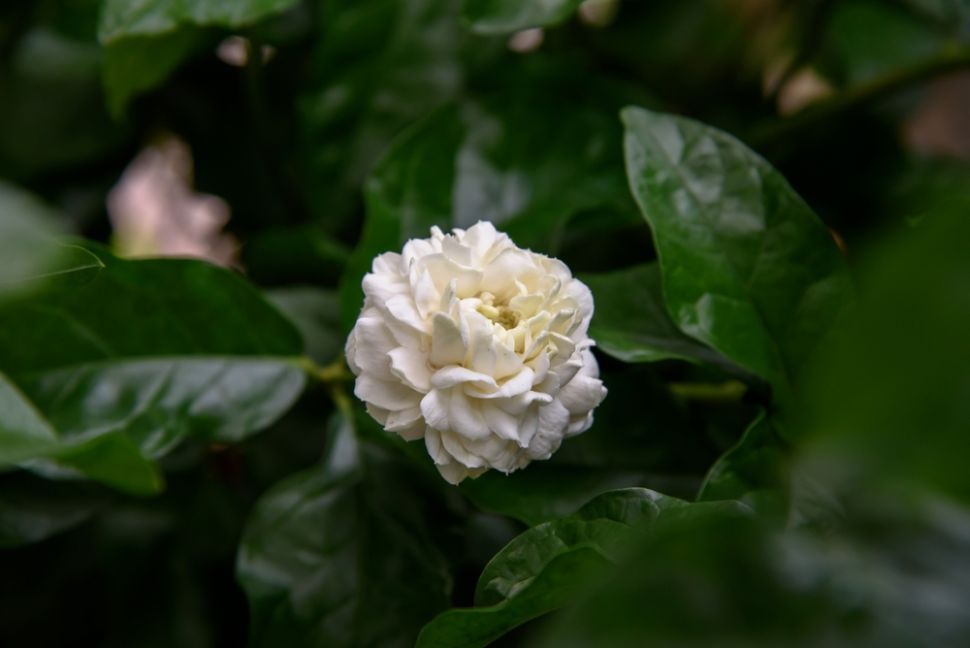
<point x="478" y="347"/>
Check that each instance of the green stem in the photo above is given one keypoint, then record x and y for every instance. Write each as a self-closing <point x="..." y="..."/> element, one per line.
<point x="873" y="91"/>
<point x="730" y="391"/>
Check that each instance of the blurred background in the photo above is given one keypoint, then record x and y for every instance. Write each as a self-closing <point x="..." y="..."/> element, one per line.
<point x="244" y="133"/>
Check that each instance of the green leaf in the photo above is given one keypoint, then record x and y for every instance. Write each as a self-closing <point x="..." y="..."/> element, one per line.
<point x="111" y="457"/>
<point x="550" y="565"/>
<point x="631" y="321"/>
<point x="499" y="161"/>
<point x="753" y="471"/>
<point x="545" y="491"/>
<point x="507" y="16"/>
<point x="30" y="248"/>
<point x="747" y="267"/>
<point x="145" y="41"/>
<point x="340" y="555"/>
<point x="152" y="351"/>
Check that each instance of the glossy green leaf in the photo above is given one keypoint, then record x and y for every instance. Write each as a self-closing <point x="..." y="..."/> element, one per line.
<point x="747" y="267"/>
<point x="340" y="555"/>
<point x="507" y="16"/>
<point x="753" y="471"/>
<point x="550" y="565"/>
<point x="145" y="41"/>
<point x="631" y="321"/>
<point x="152" y="351"/>
<point x="499" y="161"/>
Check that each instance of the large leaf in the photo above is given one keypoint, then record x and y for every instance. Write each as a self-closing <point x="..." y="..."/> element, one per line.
<point x="507" y="16"/>
<point x="747" y="267"/>
<point x="631" y="321"/>
<point x="145" y="41"/>
<point x="153" y="351"/>
<point x="550" y="564"/>
<point x="502" y="161"/>
<point x="340" y="555"/>
<point x="33" y="509"/>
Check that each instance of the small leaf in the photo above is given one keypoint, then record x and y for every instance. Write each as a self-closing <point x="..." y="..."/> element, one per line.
<point x="747" y="267"/>
<point x="753" y="471"/>
<point x="551" y="564"/>
<point x="508" y="16"/>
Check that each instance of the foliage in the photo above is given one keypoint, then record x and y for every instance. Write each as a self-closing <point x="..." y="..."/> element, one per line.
<point x="773" y="228"/>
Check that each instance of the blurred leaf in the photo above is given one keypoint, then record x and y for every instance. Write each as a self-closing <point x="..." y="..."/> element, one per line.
<point x="316" y="313"/>
<point x="631" y="321"/>
<point x="753" y="471"/>
<point x="379" y="65"/>
<point x="889" y="575"/>
<point x="340" y="555"/>
<point x="24" y="433"/>
<point x="864" y="40"/>
<point x="501" y="161"/>
<point x="145" y="41"/>
<point x="507" y="16"/>
<point x="747" y="267"/>
<point x="891" y="401"/>
<point x="48" y="72"/>
<point x="30" y="248"/>
<point x="551" y="564"/>
<point x="152" y="351"/>
<point x="33" y="509"/>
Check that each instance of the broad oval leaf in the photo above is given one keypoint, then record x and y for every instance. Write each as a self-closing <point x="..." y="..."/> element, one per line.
<point x="747" y="267"/>
<point x="152" y="351"/>
<point x="340" y="555"/>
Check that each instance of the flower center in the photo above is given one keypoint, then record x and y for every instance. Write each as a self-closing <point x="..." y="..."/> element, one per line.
<point x="499" y="313"/>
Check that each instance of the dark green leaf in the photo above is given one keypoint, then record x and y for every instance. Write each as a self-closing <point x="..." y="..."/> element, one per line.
<point x="753" y="471"/>
<point x="631" y="321"/>
<point x="551" y="564"/>
<point x="339" y="555"/>
<point x="507" y="16"/>
<point x="747" y="267"/>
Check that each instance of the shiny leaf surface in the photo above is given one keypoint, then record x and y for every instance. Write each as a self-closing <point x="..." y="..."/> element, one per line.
<point x="747" y="267"/>
<point x="507" y="16"/>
